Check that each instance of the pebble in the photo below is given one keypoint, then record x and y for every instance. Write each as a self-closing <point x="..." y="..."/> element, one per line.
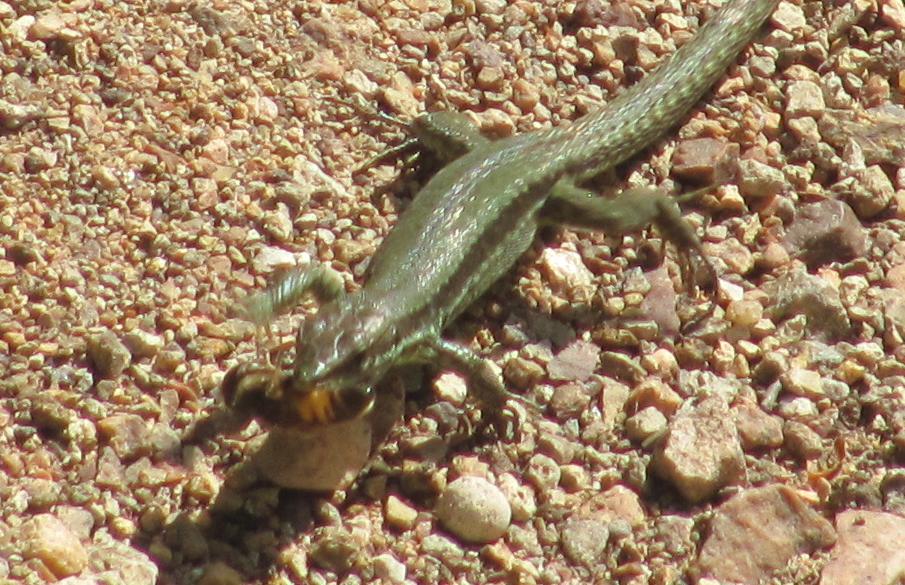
<point x="647" y="423"/>
<point x="128" y="435"/>
<point x="585" y="540"/>
<point x="451" y="387"/>
<point x="756" y="428"/>
<point x="143" y="344"/>
<point x="399" y="514"/>
<point x="543" y="472"/>
<point x="801" y="441"/>
<point x="576" y="362"/>
<point x="270" y="259"/>
<point x="802" y="382"/>
<point x="565" y="271"/>
<point x="824" y="232"/>
<point x="108" y="354"/>
<point x="474" y="510"/>
<point x="701" y="452"/>
<point x="44" y="537"/>
<point x="388" y="569"/>
<point x="569" y="400"/>
<point x="521" y="498"/>
<point x="219" y="573"/>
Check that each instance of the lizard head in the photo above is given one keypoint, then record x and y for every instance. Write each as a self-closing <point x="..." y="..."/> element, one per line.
<point x="261" y="391"/>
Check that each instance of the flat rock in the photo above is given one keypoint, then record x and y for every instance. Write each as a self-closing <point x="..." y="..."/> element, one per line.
<point x="701" y="452"/>
<point x="758" y="532"/>
<point x="870" y="550"/>
<point x="323" y="459"/>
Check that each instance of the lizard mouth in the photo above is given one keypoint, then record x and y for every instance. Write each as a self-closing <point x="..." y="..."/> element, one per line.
<point x="264" y="392"/>
<point x="326" y="405"/>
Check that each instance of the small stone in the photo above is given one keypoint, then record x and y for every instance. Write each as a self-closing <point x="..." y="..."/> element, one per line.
<point x="744" y="313"/>
<point x="105" y="178"/>
<point x="574" y="479"/>
<point x="446" y="550"/>
<point x="219" y="573"/>
<point x="758" y="180"/>
<point x="278" y="225"/>
<point x="705" y="161"/>
<point x="18" y="29"/>
<point x="825" y="232"/>
<point x="617" y="503"/>
<point x="804" y="98"/>
<point x="399" y="514"/>
<point x="801" y="441"/>
<point x="543" y="472"/>
<point x="47" y="27"/>
<point x="569" y="400"/>
<point x="566" y="271"/>
<point x="872" y="193"/>
<point x="558" y="448"/>
<point x="584" y="540"/>
<point x="108" y="354"/>
<point x="211" y="21"/>
<point x="756" y="428"/>
<point x="325" y="458"/>
<point x="802" y="382"/>
<point x="701" y="452"/>
<point x="576" y="362"/>
<point x="677" y="534"/>
<point x="451" y="387"/>
<point x="388" y="569"/>
<point x="789" y="17"/>
<point x="737" y="257"/>
<point x="522" y="373"/>
<point x="474" y="509"/>
<point x="44" y="537"/>
<point x="646" y="424"/>
<point x="798" y="409"/>
<point x="799" y="293"/>
<point x="653" y="393"/>
<point x="270" y="259"/>
<point x="521" y="497"/>
<point x="128" y="435"/>
<point x="143" y="344"/>
<point x="334" y="549"/>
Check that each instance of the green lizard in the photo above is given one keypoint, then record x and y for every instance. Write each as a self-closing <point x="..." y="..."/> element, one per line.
<point x="466" y="227"/>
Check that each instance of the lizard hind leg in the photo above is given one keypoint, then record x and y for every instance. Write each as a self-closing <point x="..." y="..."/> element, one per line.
<point x="631" y="210"/>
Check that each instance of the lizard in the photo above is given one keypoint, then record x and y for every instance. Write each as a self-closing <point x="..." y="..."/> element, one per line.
<point x="465" y="228"/>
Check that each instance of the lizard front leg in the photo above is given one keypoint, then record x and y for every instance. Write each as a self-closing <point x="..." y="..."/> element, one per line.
<point x="484" y="384"/>
<point x="325" y="283"/>
<point x="444" y="135"/>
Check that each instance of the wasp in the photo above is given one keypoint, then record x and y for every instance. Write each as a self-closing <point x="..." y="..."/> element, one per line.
<point x="287" y="398"/>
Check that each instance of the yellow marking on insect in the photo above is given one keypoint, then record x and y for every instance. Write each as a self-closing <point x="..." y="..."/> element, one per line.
<point x="316" y="406"/>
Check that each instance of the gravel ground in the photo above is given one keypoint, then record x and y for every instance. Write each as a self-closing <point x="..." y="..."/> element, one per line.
<point x="160" y="159"/>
